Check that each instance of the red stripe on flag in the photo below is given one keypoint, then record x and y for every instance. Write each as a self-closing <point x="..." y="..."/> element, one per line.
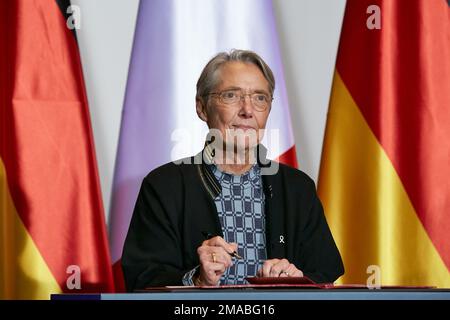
<point x="289" y="157"/>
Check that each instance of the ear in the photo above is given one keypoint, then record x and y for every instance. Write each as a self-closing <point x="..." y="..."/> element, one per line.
<point x="200" y="107"/>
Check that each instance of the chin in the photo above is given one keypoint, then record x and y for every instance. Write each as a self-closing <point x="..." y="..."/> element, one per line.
<point x="244" y="146"/>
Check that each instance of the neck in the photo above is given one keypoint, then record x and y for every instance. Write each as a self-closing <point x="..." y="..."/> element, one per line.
<point x="235" y="162"/>
<point x="236" y="169"/>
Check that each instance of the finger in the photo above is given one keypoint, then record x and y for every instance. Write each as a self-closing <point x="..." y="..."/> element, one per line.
<point x="265" y="270"/>
<point x="267" y="267"/>
<point x="209" y="280"/>
<point x="214" y="254"/>
<point x="234" y="246"/>
<point x="259" y="273"/>
<point x="212" y="272"/>
<point x="220" y="242"/>
<point x="222" y="256"/>
<point x="293" y="271"/>
<point x="278" y="268"/>
<point x="289" y="271"/>
<point x="210" y="257"/>
<point x="284" y="274"/>
<point x="215" y="268"/>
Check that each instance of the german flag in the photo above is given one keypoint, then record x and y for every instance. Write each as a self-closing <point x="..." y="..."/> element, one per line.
<point x="52" y="229"/>
<point x="384" y="176"/>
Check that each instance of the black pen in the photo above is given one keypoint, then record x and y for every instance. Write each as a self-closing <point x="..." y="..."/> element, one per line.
<point x="233" y="254"/>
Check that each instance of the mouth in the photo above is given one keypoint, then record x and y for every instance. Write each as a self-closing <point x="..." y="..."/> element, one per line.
<point x="243" y="127"/>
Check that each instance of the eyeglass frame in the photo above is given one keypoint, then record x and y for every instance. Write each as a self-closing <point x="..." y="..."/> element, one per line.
<point x="242" y="97"/>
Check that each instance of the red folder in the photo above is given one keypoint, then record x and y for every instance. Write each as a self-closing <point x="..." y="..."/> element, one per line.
<point x="279" y="282"/>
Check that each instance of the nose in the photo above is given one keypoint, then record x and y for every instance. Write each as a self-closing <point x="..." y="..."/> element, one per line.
<point x="246" y="110"/>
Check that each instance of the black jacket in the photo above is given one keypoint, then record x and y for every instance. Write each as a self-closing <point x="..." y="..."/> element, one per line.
<point x="175" y="207"/>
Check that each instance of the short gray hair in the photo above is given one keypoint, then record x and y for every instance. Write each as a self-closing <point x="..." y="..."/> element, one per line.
<point x="208" y="78"/>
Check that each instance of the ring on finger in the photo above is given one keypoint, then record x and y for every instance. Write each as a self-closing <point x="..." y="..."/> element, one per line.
<point x="213" y="256"/>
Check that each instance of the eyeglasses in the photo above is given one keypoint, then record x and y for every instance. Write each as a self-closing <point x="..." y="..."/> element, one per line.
<point x="259" y="100"/>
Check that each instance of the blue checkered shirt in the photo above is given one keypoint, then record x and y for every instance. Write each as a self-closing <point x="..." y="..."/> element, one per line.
<point x="240" y="206"/>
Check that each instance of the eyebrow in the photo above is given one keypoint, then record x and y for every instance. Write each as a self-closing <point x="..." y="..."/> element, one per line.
<point x="239" y="88"/>
<point x="262" y="91"/>
<point x="231" y="88"/>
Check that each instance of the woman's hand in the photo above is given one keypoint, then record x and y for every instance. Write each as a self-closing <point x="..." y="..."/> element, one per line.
<point x="279" y="268"/>
<point x="215" y="258"/>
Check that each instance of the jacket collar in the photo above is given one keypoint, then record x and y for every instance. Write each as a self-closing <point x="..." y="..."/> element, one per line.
<point x="206" y="157"/>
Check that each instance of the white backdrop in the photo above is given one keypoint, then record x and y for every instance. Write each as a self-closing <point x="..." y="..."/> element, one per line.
<point x="309" y="35"/>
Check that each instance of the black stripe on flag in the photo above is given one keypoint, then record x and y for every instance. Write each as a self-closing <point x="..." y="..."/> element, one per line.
<point x="63" y="5"/>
